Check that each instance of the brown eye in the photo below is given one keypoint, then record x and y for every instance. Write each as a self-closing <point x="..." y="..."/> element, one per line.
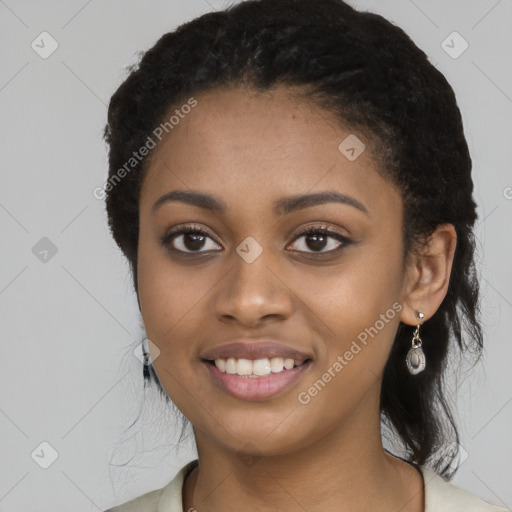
<point x="318" y="238"/>
<point x="189" y="240"/>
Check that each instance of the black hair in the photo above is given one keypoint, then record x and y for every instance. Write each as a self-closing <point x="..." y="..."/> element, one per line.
<point x="372" y="77"/>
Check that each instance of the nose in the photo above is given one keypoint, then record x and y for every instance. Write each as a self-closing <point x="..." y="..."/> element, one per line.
<point x="252" y="293"/>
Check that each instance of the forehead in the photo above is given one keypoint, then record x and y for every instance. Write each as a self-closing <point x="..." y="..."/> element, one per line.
<point x="245" y="145"/>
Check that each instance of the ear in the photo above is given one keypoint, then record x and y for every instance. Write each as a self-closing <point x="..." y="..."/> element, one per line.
<point x="427" y="275"/>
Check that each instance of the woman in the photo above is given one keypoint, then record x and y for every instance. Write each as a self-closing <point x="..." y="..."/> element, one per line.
<point x="291" y="185"/>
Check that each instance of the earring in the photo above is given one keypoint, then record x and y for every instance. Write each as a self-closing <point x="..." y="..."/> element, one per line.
<point x="415" y="359"/>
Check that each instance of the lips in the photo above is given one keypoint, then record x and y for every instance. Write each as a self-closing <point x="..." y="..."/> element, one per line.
<point x="257" y="388"/>
<point x="250" y="349"/>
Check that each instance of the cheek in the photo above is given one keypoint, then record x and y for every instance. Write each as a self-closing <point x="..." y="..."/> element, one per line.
<point x="359" y="314"/>
<point x="171" y="310"/>
<point x="357" y="306"/>
<point x="167" y="296"/>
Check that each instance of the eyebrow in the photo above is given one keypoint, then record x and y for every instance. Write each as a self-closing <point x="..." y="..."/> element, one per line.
<point x="282" y="207"/>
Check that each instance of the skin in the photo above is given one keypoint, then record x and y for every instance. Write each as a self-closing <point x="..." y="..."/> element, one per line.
<point x="249" y="150"/>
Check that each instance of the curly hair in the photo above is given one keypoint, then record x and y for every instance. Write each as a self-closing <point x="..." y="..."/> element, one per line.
<point x="371" y="76"/>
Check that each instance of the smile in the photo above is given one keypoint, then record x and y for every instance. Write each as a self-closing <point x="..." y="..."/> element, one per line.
<point x="258" y="379"/>
<point x="256" y="368"/>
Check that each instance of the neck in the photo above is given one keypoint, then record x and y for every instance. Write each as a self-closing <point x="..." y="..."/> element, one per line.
<point x="345" y="469"/>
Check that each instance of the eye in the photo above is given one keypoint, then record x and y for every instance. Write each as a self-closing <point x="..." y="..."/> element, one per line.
<point x="194" y="239"/>
<point x="188" y="239"/>
<point x="317" y="238"/>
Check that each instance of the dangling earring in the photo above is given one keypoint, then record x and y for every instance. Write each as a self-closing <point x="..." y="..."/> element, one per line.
<point x="415" y="359"/>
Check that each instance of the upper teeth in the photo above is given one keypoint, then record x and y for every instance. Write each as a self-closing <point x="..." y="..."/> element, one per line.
<point x="258" y="367"/>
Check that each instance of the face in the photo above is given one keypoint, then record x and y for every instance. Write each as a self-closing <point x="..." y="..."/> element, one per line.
<point x="334" y="296"/>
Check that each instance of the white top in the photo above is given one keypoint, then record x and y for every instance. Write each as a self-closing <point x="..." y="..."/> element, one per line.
<point x="440" y="496"/>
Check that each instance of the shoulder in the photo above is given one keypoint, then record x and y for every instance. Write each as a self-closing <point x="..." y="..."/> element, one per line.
<point x="168" y="497"/>
<point x="148" y="501"/>
<point x="443" y="496"/>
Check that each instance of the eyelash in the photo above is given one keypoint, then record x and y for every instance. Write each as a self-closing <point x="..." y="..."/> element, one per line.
<point x="310" y="230"/>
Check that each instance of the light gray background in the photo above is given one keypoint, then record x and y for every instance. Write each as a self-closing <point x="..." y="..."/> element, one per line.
<point x="69" y="325"/>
